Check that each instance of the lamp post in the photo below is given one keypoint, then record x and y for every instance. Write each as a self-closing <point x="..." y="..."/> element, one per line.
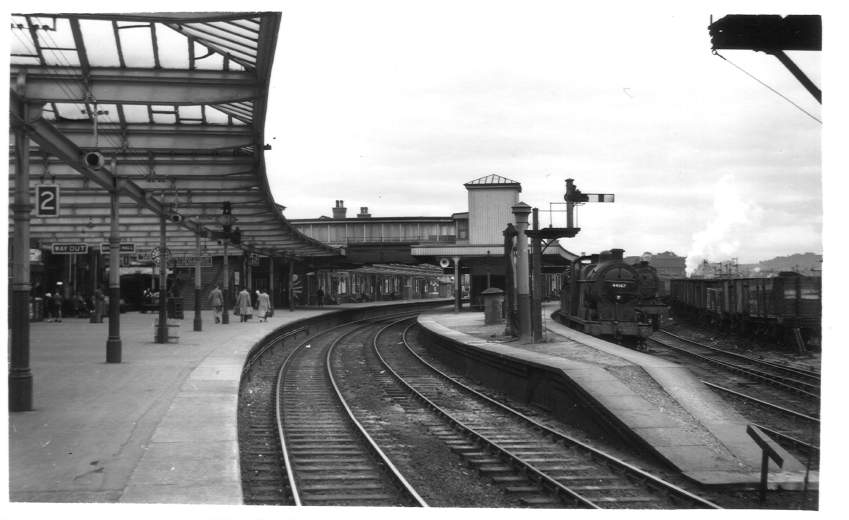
<point x="227" y="223"/>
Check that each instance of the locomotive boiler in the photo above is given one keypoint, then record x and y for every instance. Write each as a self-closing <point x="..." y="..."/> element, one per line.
<point x="604" y="296"/>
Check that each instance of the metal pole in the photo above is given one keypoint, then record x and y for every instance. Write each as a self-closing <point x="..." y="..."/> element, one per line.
<point x="271" y="281"/>
<point x="113" y="342"/>
<point x="162" y="329"/>
<point x="570" y="187"/>
<point x="198" y="323"/>
<point x="458" y="285"/>
<point x="509" y="283"/>
<point x="521" y="212"/>
<point x="225" y="312"/>
<point x="20" y="375"/>
<point x="291" y="284"/>
<point x="536" y="303"/>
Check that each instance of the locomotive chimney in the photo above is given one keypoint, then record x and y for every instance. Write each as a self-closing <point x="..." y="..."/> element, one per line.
<point x="339" y="210"/>
<point x="616" y="254"/>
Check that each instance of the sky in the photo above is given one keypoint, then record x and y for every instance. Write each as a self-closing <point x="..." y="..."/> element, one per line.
<point x="394" y="105"/>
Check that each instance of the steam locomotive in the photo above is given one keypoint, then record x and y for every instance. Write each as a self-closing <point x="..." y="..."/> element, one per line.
<point x="606" y="297"/>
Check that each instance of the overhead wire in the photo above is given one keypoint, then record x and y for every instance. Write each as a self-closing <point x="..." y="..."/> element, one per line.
<point x="769" y="87"/>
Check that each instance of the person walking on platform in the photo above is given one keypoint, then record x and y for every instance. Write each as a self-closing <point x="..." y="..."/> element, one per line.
<point x="48" y="306"/>
<point x="319" y="295"/>
<point x="262" y="305"/>
<point x="216" y="299"/>
<point x="58" y="302"/>
<point x="99" y="305"/>
<point x="243" y="302"/>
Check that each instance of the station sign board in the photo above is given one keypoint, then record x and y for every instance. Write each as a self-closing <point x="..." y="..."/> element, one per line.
<point x="47" y="200"/>
<point x="68" y="248"/>
<point x="191" y="260"/>
<point x="125" y="248"/>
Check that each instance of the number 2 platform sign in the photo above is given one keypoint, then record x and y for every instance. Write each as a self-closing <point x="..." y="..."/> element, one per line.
<point x="47" y="200"/>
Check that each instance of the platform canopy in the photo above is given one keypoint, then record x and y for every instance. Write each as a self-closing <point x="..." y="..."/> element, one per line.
<point x="176" y="105"/>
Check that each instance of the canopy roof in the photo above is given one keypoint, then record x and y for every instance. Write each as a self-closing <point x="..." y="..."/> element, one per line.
<point x="176" y="104"/>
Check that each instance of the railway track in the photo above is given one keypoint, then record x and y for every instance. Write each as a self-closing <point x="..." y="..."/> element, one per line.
<point x="500" y="441"/>
<point x="805" y="384"/>
<point x="330" y="458"/>
<point x="806" y="381"/>
<point x="262" y="466"/>
<point x="783" y="400"/>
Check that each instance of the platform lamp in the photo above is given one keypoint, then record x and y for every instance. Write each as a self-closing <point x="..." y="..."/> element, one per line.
<point x="227" y="225"/>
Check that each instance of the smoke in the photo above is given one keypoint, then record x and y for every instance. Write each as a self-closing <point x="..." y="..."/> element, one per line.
<point x="732" y="219"/>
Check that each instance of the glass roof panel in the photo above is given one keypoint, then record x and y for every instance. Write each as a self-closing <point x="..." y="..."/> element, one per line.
<point x="229" y="35"/>
<point x="108" y="112"/>
<point x="163" y="118"/>
<point x="190" y="114"/>
<point x="136" y="114"/>
<point x="216" y="117"/>
<point x="100" y="43"/>
<point x="212" y="62"/>
<point x="71" y="111"/>
<point x="63" y="58"/>
<point x="57" y="35"/>
<point x="137" y="45"/>
<point x="173" y="48"/>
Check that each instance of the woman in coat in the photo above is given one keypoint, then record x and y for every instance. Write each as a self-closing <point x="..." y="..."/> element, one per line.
<point x="262" y="305"/>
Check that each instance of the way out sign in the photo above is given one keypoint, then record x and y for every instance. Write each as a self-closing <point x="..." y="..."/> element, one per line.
<point x="66" y="248"/>
<point x="47" y="200"/>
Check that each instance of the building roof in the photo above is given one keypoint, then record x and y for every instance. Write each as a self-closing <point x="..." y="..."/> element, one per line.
<point x="492" y="180"/>
<point x="175" y="103"/>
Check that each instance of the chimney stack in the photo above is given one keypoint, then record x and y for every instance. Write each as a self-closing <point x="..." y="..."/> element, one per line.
<point x="339" y="210"/>
<point x="364" y="212"/>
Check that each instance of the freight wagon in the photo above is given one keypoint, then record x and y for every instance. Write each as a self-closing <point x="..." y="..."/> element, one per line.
<point x="787" y="307"/>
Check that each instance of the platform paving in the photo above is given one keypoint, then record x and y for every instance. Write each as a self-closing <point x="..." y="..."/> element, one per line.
<point x="160" y="427"/>
<point x="688" y="425"/>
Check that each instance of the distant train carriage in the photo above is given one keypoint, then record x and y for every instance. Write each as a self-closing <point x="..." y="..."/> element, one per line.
<point x="781" y="307"/>
<point x="602" y="297"/>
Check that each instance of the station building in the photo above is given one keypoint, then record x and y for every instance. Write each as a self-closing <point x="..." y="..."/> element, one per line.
<point x="472" y="239"/>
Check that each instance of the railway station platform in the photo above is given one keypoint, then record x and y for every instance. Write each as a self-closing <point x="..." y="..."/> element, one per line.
<point x="160" y="427"/>
<point x="659" y="404"/>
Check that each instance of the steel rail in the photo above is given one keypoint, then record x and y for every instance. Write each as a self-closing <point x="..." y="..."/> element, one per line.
<point x="277" y="404"/>
<point x="771" y="379"/>
<point x="766" y="404"/>
<point x="790" y="370"/>
<point x="611" y="461"/>
<point x="271" y="342"/>
<point x="790" y="439"/>
<point x="407" y="487"/>
<point x="542" y="477"/>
